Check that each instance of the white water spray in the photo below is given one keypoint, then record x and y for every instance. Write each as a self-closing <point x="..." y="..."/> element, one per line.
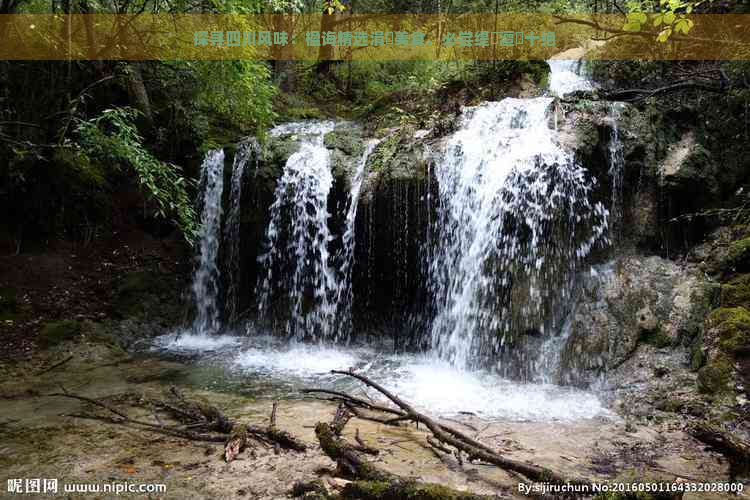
<point x="514" y="220"/>
<point x="300" y="270"/>
<point x="344" y="292"/>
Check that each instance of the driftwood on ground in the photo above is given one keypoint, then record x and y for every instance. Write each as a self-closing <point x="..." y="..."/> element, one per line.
<point x="197" y="420"/>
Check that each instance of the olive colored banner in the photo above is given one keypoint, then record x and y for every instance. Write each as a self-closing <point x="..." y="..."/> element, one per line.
<point x="354" y="37"/>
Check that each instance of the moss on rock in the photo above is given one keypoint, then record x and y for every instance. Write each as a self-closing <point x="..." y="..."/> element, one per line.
<point x="55" y="332"/>
<point x="716" y="376"/>
<point x="398" y="157"/>
<point x="697" y="355"/>
<point x="732" y="325"/>
<point x="738" y="255"/>
<point x="656" y="337"/>
<point x="347" y="139"/>
<point x="736" y="292"/>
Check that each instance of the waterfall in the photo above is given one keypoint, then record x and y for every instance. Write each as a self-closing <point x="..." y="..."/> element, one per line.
<point x="616" y="167"/>
<point x="344" y="293"/>
<point x="245" y="151"/>
<point x="207" y="277"/>
<point x="296" y="262"/>
<point x="514" y="220"/>
<point x="566" y="76"/>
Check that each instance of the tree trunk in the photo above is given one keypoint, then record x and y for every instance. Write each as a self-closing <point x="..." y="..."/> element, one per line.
<point x="138" y="93"/>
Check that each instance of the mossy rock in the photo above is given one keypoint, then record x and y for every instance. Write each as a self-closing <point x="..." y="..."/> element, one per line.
<point x="398" y="157"/>
<point x="736" y="292"/>
<point x="347" y="139"/>
<point x="738" y="256"/>
<point x="56" y="332"/>
<point x="697" y="354"/>
<point x="717" y="376"/>
<point x="278" y="149"/>
<point x="733" y="327"/>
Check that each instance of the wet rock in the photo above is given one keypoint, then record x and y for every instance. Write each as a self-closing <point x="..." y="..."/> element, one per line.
<point x="633" y="301"/>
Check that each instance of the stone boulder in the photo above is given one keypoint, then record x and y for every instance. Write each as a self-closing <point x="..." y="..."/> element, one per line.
<point x="632" y="302"/>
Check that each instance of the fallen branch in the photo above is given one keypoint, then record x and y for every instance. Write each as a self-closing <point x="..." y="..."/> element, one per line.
<point x="200" y="421"/>
<point x="463" y="443"/>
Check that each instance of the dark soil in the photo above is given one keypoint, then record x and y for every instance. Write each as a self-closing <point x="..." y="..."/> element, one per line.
<point x="74" y="281"/>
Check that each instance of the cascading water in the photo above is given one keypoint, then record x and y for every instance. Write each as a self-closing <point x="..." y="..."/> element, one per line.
<point x="245" y="152"/>
<point x="616" y="166"/>
<point x="206" y="279"/>
<point x="344" y="293"/>
<point x="301" y="269"/>
<point x="514" y="220"/>
<point x="566" y="76"/>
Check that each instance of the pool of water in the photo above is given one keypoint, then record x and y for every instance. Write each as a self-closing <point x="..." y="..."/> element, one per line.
<point x="267" y="367"/>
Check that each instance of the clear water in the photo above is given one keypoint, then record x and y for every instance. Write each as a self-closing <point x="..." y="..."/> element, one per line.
<point x="268" y="367"/>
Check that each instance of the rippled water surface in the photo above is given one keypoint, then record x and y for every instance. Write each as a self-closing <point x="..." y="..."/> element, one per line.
<point x="267" y="367"/>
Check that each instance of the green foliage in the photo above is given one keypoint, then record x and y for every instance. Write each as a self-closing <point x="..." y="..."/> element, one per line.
<point x="113" y="137"/>
<point x="669" y="16"/>
<point x="241" y="92"/>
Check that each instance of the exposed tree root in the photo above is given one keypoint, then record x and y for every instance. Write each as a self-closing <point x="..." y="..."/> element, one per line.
<point x="197" y="421"/>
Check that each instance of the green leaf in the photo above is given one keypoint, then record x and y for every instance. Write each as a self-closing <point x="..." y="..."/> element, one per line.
<point x="631" y="26"/>
<point x="658" y="19"/>
<point x="669" y="18"/>
<point x="664" y="35"/>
